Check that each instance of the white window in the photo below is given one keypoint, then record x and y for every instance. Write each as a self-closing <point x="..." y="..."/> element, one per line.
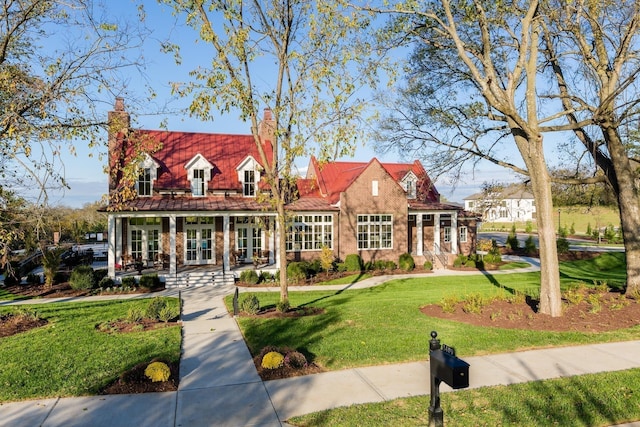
<point x="374" y="188"/>
<point x="463" y="234"/>
<point x="310" y="232"/>
<point x="375" y="232"/>
<point x="198" y="182"/>
<point x="145" y="183"/>
<point x="447" y="234"/>
<point x="249" y="183"/>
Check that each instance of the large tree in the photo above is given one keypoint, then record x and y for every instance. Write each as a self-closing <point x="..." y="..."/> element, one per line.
<point x="302" y="60"/>
<point x="581" y="76"/>
<point x="58" y="59"/>
<point x="472" y="92"/>
<point x="593" y="52"/>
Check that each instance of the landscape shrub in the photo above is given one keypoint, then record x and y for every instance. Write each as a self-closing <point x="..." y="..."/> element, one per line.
<point x="562" y="245"/>
<point x="157" y="371"/>
<point x="150" y="281"/>
<point x="460" y="260"/>
<point x="250" y="304"/>
<point x="283" y="306"/>
<point x="512" y="239"/>
<point x="296" y="272"/>
<point x="295" y="360"/>
<point x="135" y="314"/>
<point x="530" y="246"/>
<point x="391" y="265"/>
<point x="167" y="313"/>
<point x="265" y="277"/>
<point x="406" y="262"/>
<point x="106" y="282"/>
<point x="129" y="281"/>
<point x="314" y="267"/>
<point x="82" y="278"/>
<point x="528" y="228"/>
<point x="326" y="258"/>
<point x="100" y="274"/>
<point x="154" y="308"/>
<point x="272" y="360"/>
<point x="249" y="277"/>
<point x="428" y="265"/>
<point x="353" y="262"/>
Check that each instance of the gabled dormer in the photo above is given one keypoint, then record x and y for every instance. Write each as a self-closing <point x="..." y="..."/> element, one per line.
<point x="249" y="176"/>
<point x="199" y="174"/>
<point x="409" y="183"/>
<point x="148" y="174"/>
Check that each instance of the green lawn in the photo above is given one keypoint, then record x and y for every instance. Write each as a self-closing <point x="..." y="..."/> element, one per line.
<point x="588" y="400"/>
<point x="384" y="324"/>
<point x="69" y="357"/>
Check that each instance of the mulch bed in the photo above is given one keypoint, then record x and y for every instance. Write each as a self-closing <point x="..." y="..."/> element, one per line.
<point x="12" y="324"/>
<point x="62" y="290"/>
<point x="616" y="312"/>
<point x="134" y="381"/>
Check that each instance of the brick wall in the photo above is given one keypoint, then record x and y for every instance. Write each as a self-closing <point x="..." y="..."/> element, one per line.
<point x="358" y="199"/>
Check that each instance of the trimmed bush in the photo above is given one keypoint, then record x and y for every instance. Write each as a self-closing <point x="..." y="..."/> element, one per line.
<point x="296" y="272"/>
<point x="428" y="265"/>
<point x="562" y="245"/>
<point x="250" y="304"/>
<point x="353" y="262"/>
<point x="265" y="276"/>
<point x="406" y="262"/>
<point x="149" y="281"/>
<point x="250" y="277"/>
<point x="460" y="260"/>
<point x="129" y="281"/>
<point x="512" y="239"/>
<point x="530" y="246"/>
<point x="283" y="306"/>
<point x="492" y="258"/>
<point x="156" y="305"/>
<point x="82" y="278"/>
<point x="272" y="360"/>
<point x="295" y="359"/>
<point x="106" y="282"/>
<point x="157" y="371"/>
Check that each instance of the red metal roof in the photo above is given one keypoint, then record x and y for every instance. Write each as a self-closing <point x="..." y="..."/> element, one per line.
<point x="225" y="152"/>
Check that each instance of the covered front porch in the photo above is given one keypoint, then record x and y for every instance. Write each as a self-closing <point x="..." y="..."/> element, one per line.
<point x="180" y="246"/>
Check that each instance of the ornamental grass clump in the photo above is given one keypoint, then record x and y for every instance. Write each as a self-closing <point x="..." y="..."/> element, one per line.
<point x="272" y="360"/>
<point x="157" y="372"/>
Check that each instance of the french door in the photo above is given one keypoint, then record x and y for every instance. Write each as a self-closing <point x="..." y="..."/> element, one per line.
<point x="199" y="245"/>
<point x="248" y="240"/>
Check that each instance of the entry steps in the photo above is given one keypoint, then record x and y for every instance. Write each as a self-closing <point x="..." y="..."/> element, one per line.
<point x="199" y="278"/>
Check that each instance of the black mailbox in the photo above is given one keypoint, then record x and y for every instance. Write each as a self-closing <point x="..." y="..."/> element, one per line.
<point x="450" y="369"/>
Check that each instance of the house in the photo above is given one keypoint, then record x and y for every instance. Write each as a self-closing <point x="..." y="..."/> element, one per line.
<point x="512" y="203"/>
<point x="198" y="200"/>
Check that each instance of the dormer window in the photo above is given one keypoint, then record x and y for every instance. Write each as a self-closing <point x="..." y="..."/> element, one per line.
<point x="249" y="176"/>
<point x="249" y="184"/>
<point x="148" y="174"/>
<point x="199" y="174"/>
<point x="409" y="183"/>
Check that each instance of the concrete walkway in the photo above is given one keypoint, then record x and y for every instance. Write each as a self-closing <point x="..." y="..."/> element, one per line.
<point x="219" y="385"/>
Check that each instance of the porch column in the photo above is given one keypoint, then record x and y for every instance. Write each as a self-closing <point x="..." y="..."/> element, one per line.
<point x="272" y="243"/>
<point x="436" y="234"/>
<point x="118" y="234"/>
<point x="111" y="247"/>
<point x="225" y="245"/>
<point x="276" y="238"/>
<point x="419" y="235"/>
<point x="454" y="232"/>
<point x="172" y="245"/>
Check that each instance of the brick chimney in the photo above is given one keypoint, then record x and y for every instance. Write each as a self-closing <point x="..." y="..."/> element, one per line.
<point x="119" y="123"/>
<point x="267" y="127"/>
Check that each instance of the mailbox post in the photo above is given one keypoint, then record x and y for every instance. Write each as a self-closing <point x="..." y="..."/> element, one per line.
<point x="444" y="366"/>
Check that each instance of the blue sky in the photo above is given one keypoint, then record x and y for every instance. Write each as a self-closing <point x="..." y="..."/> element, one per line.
<point x="84" y="172"/>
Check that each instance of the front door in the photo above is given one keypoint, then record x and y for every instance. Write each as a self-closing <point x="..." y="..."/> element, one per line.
<point x="199" y="245"/>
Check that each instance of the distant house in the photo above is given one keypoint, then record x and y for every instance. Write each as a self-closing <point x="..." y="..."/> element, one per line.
<point x="512" y="203"/>
<point x="197" y="202"/>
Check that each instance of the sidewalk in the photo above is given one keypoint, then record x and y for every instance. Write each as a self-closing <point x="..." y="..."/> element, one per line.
<point x="219" y="385"/>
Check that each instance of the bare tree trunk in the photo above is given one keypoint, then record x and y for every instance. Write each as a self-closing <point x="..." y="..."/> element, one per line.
<point x="282" y="251"/>
<point x="629" y="206"/>
<point x="532" y="153"/>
